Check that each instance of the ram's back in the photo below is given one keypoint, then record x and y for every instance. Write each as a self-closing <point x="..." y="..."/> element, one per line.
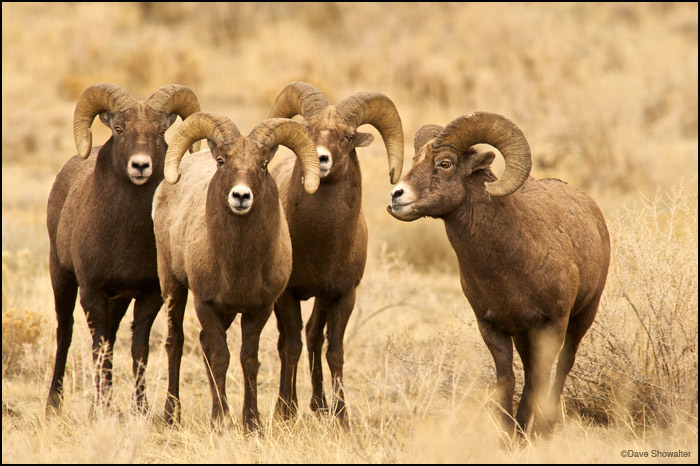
<point x="179" y="213"/>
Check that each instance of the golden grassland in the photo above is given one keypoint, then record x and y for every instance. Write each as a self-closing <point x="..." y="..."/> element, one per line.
<point x="607" y="96"/>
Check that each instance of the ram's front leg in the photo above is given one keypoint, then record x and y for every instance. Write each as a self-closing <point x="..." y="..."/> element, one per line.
<point x="289" y="346"/>
<point x="175" y="302"/>
<point x="501" y="347"/>
<point x="252" y="324"/>
<point x="216" y="354"/>
<point x="65" y="289"/>
<point x="146" y="309"/>
<point x="103" y="317"/>
<point x="338" y="313"/>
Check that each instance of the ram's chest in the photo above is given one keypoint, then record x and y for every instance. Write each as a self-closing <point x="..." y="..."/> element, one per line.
<point x="128" y="258"/>
<point x="329" y="258"/>
<point x="247" y="277"/>
<point x="242" y="288"/>
<point x="108" y="246"/>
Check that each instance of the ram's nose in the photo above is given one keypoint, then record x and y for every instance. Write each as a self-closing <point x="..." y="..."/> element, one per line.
<point x="240" y="199"/>
<point x="139" y="167"/>
<point x="325" y="160"/>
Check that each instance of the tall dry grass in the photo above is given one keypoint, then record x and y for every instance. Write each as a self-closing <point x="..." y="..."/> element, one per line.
<point x="607" y="95"/>
<point x="641" y="355"/>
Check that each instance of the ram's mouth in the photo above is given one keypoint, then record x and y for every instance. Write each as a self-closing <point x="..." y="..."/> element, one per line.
<point x="139" y="180"/>
<point x="240" y="210"/>
<point x="403" y="212"/>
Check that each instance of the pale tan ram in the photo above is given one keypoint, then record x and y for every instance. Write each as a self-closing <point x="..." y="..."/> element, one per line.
<point x="221" y="232"/>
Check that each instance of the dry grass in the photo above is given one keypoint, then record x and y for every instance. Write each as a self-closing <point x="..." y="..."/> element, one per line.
<point x="646" y="335"/>
<point x="607" y="95"/>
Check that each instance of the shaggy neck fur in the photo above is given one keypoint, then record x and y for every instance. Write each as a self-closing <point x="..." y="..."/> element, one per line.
<point x="109" y="178"/>
<point x="338" y="201"/>
<point x="241" y="246"/>
<point x="117" y="222"/>
<point x="328" y="234"/>
<point x="481" y="229"/>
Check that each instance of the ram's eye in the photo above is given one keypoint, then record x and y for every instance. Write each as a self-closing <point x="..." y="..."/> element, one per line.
<point x="350" y="137"/>
<point x="445" y="164"/>
<point x="264" y="165"/>
<point x="118" y="129"/>
<point x="161" y="132"/>
<point x="220" y="161"/>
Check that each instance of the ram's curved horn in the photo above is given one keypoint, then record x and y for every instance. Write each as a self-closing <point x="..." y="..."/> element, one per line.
<point x="298" y="98"/>
<point x="379" y="111"/>
<point x="197" y="126"/>
<point x="424" y="134"/>
<point x="275" y="131"/>
<point x="501" y="133"/>
<point x="175" y="98"/>
<point x="94" y="100"/>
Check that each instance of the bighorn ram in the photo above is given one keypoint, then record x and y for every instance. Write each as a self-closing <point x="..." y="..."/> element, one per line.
<point x="533" y="254"/>
<point x="100" y="228"/>
<point x="328" y="231"/>
<point x="221" y="232"/>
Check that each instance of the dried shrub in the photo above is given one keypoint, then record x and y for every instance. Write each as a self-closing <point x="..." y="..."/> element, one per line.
<point x="21" y="329"/>
<point x="639" y="363"/>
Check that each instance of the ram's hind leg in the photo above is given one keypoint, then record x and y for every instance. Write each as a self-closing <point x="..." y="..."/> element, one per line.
<point x="216" y="354"/>
<point x="577" y="328"/>
<point x="289" y="346"/>
<point x="338" y="313"/>
<point x="314" y="345"/>
<point x="117" y="308"/>
<point x="522" y="344"/>
<point x="103" y="316"/>
<point x="545" y="344"/>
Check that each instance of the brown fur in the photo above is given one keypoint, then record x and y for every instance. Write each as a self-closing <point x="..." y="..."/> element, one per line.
<point x="232" y="263"/>
<point x="329" y="244"/>
<point x="532" y="265"/>
<point x="101" y="240"/>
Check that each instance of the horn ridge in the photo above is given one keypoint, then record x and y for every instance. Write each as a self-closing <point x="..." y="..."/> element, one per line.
<point x="94" y="100"/>
<point x="501" y="133"/>
<point x="379" y="111"/>
<point x="197" y="126"/>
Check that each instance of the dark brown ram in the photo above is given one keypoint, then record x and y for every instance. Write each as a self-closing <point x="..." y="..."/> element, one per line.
<point x="100" y="228"/>
<point x="533" y="254"/>
<point x="328" y="231"/>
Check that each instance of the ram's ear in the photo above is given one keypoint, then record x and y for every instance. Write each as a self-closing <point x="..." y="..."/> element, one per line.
<point x="106" y="118"/>
<point x="475" y="160"/>
<point x="170" y="119"/>
<point x="212" y="147"/>
<point x="362" y="139"/>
